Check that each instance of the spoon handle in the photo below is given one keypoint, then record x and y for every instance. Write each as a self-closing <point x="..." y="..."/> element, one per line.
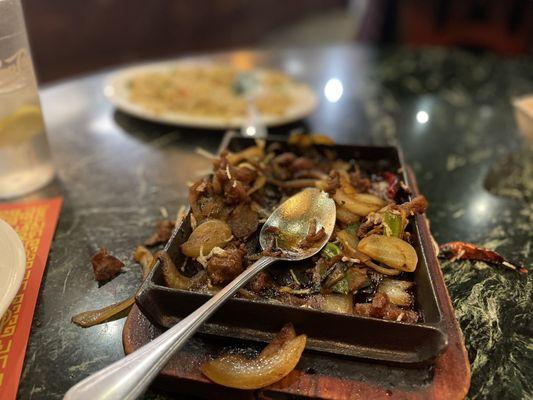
<point x="129" y="377"/>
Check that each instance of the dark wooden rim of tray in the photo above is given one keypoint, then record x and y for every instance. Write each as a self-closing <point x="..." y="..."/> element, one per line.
<point x="451" y="370"/>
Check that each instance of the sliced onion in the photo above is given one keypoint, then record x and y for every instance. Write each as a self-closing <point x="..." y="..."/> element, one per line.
<point x="347" y="240"/>
<point x="208" y="235"/>
<point x="305" y="140"/>
<point x="293" y="184"/>
<point x="340" y="303"/>
<point x="286" y="333"/>
<point x="396" y="291"/>
<point x="346" y="186"/>
<point x="173" y="277"/>
<point x="382" y="270"/>
<point x="275" y="362"/>
<point x="360" y="204"/>
<point x="251" y="154"/>
<point x="258" y="184"/>
<point x="350" y="249"/>
<point x="346" y="216"/>
<point x="391" y="251"/>
<point x="298" y="292"/>
<point x="144" y="257"/>
<point x="112" y="312"/>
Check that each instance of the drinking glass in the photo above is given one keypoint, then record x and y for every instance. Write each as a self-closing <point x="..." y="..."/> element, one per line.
<point x="25" y="163"/>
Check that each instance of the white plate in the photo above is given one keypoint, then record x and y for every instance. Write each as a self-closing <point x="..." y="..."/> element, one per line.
<point x="117" y="92"/>
<point x="12" y="265"/>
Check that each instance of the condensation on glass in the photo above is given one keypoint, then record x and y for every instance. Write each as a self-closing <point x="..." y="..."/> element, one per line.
<point x="25" y="163"/>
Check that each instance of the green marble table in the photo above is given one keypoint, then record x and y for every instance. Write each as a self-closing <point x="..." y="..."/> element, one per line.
<point x="449" y="110"/>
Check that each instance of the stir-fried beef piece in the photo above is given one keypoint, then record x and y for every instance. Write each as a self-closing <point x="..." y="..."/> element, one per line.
<point x="332" y="183"/>
<point x="163" y="231"/>
<point x="235" y="192"/>
<point x="416" y="206"/>
<point x="360" y="183"/>
<point x="210" y="207"/>
<point x="243" y="221"/>
<point x="105" y="266"/>
<point x="310" y="173"/>
<point x="371" y="221"/>
<point x="284" y="158"/>
<point x="381" y="307"/>
<point x="243" y="174"/>
<point x="231" y="182"/>
<point x="224" y="171"/>
<point x="260" y="282"/>
<point x="204" y="202"/>
<point x="301" y="164"/>
<point x="223" y="268"/>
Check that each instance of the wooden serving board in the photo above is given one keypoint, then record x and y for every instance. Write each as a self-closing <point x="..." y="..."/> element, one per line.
<point x="320" y="375"/>
<point x="317" y="376"/>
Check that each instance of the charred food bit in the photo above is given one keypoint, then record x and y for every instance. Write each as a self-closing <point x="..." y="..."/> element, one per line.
<point x="105" y="266"/>
<point x="163" y="231"/>
<point x="469" y="251"/>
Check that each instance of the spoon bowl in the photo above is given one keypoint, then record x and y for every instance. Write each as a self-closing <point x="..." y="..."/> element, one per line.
<point x="303" y="214"/>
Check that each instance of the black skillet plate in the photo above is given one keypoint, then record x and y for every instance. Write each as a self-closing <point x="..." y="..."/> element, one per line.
<point x="347" y="335"/>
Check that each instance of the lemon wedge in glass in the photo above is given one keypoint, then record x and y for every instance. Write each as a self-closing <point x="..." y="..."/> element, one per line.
<point x="20" y="125"/>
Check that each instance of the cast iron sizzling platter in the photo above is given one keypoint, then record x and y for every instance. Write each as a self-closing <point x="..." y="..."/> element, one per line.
<point x="341" y="334"/>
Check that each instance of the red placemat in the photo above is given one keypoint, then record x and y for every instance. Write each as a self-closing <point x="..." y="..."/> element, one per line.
<point x="35" y="223"/>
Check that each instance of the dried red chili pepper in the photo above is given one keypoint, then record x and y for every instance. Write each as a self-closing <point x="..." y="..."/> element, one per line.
<point x="469" y="251"/>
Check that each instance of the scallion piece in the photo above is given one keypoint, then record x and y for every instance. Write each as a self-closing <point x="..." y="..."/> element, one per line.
<point x="331" y="250"/>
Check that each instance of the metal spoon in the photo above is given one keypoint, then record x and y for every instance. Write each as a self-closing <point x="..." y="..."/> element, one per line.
<point x="288" y="225"/>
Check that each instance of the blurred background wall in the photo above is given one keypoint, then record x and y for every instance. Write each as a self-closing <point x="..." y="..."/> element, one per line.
<point x="73" y="37"/>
